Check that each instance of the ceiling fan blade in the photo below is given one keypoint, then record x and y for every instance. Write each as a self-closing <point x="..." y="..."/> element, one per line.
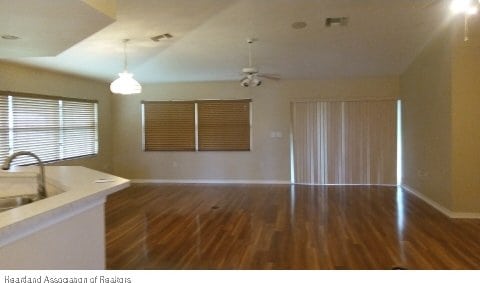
<point x="269" y="76"/>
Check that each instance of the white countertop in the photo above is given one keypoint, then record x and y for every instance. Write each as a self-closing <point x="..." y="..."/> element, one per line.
<point x="83" y="188"/>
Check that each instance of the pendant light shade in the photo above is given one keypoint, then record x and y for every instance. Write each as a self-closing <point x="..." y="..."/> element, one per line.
<point x="125" y="84"/>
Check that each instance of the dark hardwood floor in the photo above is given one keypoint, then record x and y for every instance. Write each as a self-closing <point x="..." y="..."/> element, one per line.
<point x="283" y="227"/>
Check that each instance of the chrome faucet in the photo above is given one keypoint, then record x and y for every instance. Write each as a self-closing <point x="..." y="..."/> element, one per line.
<point x="42" y="193"/>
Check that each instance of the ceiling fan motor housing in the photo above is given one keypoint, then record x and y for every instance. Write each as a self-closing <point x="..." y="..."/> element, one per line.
<point x="250" y="70"/>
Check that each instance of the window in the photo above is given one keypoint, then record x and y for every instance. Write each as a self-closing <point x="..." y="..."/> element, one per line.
<point x="169" y="126"/>
<point x="4" y="137"/>
<point x="209" y="125"/>
<point x="224" y="125"/>
<point x="79" y="132"/>
<point x="53" y="128"/>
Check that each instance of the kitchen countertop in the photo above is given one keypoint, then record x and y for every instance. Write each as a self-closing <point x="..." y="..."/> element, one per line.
<point x="84" y="188"/>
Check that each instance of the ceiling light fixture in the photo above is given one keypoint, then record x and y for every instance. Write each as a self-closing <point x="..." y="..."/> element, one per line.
<point x="467" y="8"/>
<point x="125" y="83"/>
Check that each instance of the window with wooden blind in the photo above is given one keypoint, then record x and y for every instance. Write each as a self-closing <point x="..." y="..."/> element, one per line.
<point x="53" y="128"/>
<point x="224" y="125"/>
<point x="169" y="126"/>
<point x="210" y="125"/>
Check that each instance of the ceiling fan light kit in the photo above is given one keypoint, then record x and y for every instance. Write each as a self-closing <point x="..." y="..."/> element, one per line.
<point x="125" y="84"/>
<point x="250" y="80"/>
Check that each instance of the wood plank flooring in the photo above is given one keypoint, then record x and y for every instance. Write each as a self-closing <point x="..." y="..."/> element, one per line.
<point x="283" y="227"/>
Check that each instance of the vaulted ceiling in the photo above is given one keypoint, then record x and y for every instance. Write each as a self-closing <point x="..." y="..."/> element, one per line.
<point x="209" y="37"/>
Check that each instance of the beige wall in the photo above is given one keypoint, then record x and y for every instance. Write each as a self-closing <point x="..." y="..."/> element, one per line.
<point x="426" y="122"/>
<point x="23" y="79"/>
<point x="466" y="122"/>
<point x="441" y="134"/>
<point x="269" y="159"/>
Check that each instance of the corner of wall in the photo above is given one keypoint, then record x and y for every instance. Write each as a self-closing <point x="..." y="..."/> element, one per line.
<point x="425" y="91"/>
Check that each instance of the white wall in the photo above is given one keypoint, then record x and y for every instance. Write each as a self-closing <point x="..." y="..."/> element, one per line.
<point x="75" y="243"/>
<point x="269" y="159"/>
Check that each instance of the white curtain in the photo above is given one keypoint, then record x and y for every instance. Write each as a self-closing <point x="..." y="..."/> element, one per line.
<point x="345" y="142"/>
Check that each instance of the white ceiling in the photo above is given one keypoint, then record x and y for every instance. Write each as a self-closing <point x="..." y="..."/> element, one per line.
<point x="382" y="38"/>
<point x="46" y="30"/>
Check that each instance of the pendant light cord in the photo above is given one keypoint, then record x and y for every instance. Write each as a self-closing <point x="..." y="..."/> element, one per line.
<point x="125" y="54"/>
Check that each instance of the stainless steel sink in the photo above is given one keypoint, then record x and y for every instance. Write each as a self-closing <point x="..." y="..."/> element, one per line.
<point x="7" y="203"/>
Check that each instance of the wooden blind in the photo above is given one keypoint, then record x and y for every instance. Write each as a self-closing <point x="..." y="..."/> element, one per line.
<point x="224" y="125"/>
<point x="169" y="126"/>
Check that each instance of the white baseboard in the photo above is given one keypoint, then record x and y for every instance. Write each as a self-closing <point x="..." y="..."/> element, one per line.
<point x="441" y="208"/>
<point x="349" y="185"/>
<point x="209" y="181"/>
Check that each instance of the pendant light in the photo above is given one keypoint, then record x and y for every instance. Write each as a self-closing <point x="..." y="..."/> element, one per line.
<point x="125" y="83"/>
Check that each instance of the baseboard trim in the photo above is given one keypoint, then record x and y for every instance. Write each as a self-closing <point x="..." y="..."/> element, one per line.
<point x="348" y="185"/>
<point x="209" y="181"/>
<point x="447" y="212"/>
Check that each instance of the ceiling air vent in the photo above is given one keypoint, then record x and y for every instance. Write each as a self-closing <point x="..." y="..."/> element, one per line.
<point x="341" y="21"/>
<point x="10" y="37"/>
<point x="164" y="36"/>
<point x="299" y="25"/>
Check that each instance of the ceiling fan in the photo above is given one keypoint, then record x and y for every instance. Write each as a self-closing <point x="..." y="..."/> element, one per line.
<point x="251" y="73"/>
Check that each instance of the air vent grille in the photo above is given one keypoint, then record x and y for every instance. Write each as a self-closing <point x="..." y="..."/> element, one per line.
<point x="160" y="37"/>
<point x="340" y="21"/>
